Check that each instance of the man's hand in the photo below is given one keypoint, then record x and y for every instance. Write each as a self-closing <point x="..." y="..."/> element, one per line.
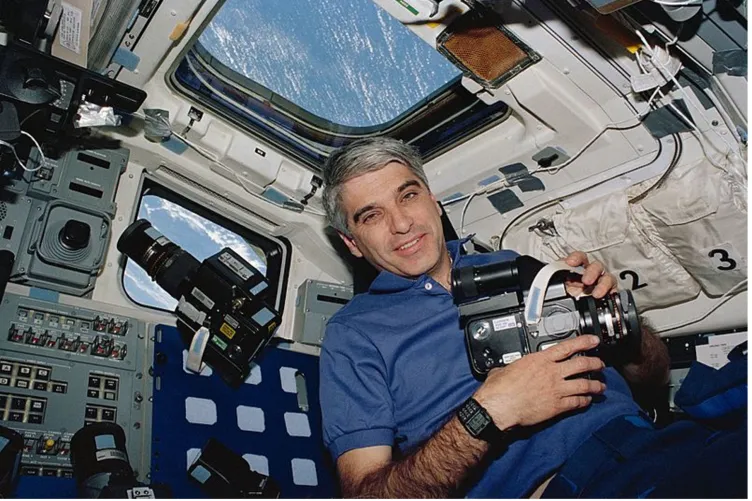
<point x="595" y="280"/>
<point x="536" y="387"/>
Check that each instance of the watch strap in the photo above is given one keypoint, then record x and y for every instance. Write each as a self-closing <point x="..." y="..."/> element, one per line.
<point x="478" y="423"/>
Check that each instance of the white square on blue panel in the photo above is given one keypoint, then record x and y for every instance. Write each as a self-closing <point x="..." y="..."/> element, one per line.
<point x="190" y="457"/>
<point x="251" y="418"/>
<point x="287" y="377"/>
<point x="297" y="424"/>
<point x="304" y="472"/>
<point x="206" y="371"/>
<point x="200" y="410"/>
<point x="259" y="464"/>
<point x="255" y="376"/>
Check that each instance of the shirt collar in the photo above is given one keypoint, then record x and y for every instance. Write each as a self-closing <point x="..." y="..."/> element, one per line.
<point x="387" y="281"/>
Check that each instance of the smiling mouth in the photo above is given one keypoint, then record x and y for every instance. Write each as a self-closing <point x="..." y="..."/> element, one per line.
<point x="410" y="244"/>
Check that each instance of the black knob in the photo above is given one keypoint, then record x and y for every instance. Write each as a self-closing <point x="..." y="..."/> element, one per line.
<point x="234" y="352"/>
<point x="75" y="235"/>
<point x="35" y="79"/>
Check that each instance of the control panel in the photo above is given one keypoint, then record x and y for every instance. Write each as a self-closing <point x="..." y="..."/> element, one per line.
<point x="63" y="368"/>
<point x="102" y="337"/>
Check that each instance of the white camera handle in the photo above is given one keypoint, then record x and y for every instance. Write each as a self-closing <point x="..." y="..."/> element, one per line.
<point x="537" y="293"/>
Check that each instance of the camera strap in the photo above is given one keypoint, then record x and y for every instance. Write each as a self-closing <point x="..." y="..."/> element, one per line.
<point x="537" y="294"/>
<point x="196" y="350"/>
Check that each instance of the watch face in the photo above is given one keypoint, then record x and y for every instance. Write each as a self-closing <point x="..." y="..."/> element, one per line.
<point x="477" y="423"/>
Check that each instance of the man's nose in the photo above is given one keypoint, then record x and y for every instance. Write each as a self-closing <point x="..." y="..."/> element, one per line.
<point x="401" y="221"/>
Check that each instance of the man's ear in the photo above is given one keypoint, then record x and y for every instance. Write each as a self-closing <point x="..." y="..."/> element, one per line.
<point x="351" y="244"/>
<point x="438" y="206"/>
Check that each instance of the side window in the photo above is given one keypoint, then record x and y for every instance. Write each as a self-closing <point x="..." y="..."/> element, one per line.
<point x="190" y="228"/>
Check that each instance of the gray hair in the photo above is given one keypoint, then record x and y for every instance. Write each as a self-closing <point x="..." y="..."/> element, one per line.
<point x="357" y="158"/>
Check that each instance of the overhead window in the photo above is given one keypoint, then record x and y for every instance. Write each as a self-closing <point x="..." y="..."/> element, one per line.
<point x="346" y="61"/>
<point x="312" y="75"/>
<point x="199" y="233"/>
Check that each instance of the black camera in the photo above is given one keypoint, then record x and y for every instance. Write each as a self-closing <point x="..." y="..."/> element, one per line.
<point x="223" y="474"/>
<point x="11" y="448"/>
<point x="492" y="299"/>
<point x="223" y="314"/>
<point x="101" y="466"/>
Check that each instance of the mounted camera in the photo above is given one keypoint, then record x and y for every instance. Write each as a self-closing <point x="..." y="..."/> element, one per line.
<point x="223" y="315"/>
<point x="511" y="309"/>
<point x="11" y="448"/>
<point x="223" y="474"/>
<point x="101" y="466"/>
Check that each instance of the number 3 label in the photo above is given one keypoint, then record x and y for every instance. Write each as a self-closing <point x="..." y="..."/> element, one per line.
<point x="724" y="257"/>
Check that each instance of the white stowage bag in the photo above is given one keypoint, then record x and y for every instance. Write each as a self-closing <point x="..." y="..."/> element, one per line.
<point x="700" y="214"/>
<point x="605" y="230"/>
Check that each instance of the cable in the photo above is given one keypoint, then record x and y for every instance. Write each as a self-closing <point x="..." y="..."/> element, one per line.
<point x="27" y="117"/>
<point x="680" y="3"/>
<point x="721" y="300"/>
<point x="529" y="212"/>
<point x="243" y="182"/>
<point x="503" y="183"/>
<point x="667" y="74"/>
<point x="18" y="160"/>
<point x="724" y="115"/>
<point x="548" y="203"/>
<point x="613" y="125"/>
<point x="464" y="211"/>
<point x="210" y="156"/>
<point x="662" y="178"/>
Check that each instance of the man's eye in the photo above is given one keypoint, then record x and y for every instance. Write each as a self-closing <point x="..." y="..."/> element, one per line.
<point x="410" y="195"/>
<point x="368" y="218"/>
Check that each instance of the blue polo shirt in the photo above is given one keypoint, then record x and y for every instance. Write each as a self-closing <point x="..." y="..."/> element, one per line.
<point x="394" y="368"/>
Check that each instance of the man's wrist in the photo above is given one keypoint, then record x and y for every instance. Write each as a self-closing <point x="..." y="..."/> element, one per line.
<point x="478" y="422"/>
<point x="504" y="421"/>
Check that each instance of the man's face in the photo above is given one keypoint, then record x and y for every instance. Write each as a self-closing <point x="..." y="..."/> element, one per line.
<point x="394" y="220"/>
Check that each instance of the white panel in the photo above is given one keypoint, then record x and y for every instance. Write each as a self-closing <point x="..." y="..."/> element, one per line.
<point x="250" y="418"/>
<point x="259" y="464"/>
<point x="297" y="424"/>
<point x="287" y="378"/>
<point x="200" y="411"/>
<point x="190" y="457"/>
<point x="304" y="472"/>
<point x="255" y="376"/>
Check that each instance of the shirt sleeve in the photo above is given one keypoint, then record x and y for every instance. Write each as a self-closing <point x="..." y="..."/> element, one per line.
<point x="356" y="406"/>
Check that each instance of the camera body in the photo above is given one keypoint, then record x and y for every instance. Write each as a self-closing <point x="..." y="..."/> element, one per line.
<point x="11" y="449"/>
<point x="227" y="295"/>
<point x="224" y="294"/>
<point x="491" y="300"/>
<point x="223" y="474"/>
<point x="101" y="466"/>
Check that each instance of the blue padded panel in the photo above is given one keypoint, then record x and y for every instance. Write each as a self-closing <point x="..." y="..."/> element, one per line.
<point x="45" y="488"/>
<point x="173" y="435"/>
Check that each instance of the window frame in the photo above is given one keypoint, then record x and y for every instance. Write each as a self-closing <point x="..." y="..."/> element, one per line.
<point x="277" y="250"/>
<point x="296" y="112"/>
<point x="305" y="140"/>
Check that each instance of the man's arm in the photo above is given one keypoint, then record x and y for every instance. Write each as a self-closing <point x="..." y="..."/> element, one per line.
<point x="651" y="364"/>
<point x="527" y="392"/>
<point x="435" y="470"/>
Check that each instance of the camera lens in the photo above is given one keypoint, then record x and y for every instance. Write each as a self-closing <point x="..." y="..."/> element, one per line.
<point x="164" y="261"/>
<point x="613" y="318"/>
<point x="473" y="281"/>
<point x="98" y="455"/>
